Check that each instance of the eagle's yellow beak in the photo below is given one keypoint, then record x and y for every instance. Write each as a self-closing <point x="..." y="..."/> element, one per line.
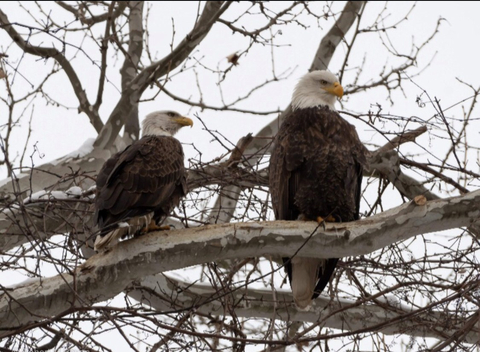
<point x="335" y="89"/>
<point x="183" y="121"/>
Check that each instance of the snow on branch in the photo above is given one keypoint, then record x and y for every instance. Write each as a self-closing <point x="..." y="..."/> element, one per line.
<point x="105" y="275"/>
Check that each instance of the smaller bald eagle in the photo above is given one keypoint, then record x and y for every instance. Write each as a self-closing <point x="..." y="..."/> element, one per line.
<point x="315" y="173"/>
<point x="142" y="183"/>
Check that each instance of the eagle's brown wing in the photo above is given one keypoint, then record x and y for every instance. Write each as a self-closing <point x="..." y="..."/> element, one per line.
<point x="315" y="170"/>
<point x="148" y="176"/>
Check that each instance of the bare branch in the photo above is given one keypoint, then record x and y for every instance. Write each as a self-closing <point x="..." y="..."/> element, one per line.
<point x="80" y="12"/>
<point x="58" y="56"/>
<point x="336" y="34"/>
<point x="132" y="94"/>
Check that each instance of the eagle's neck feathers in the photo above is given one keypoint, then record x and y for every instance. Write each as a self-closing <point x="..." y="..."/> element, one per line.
<point x="155" y="131"/>
<point x="310" y="101"/>
<point x="152" y="127"/>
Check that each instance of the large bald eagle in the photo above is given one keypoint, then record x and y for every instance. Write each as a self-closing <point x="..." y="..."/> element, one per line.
<point x="315" y="173"/>
<point x="142" y="183"/>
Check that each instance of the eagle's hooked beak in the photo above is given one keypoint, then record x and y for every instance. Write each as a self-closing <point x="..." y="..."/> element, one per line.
<point x="335" y="89"/>
<point x="183" y="121"/>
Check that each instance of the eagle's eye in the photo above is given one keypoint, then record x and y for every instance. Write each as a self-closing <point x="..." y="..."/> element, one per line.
<point x="323" y="82"/>
<point x="171" y="114"/>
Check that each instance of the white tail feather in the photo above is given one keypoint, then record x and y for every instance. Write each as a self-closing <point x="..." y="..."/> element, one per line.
<point x="304" y="279"/>
<point x="103" y="243"/>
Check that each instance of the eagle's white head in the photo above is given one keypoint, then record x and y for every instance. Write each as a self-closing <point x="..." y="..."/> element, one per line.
<point x="317" y="88"/>
<point x="164" y="123"/>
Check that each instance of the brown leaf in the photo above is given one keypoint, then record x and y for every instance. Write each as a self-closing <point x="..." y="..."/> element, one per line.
<point x="233" y="58"/>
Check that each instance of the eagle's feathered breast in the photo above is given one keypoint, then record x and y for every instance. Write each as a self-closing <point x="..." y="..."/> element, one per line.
<point x="148" y="176"/>
<point x="317" y="167"/>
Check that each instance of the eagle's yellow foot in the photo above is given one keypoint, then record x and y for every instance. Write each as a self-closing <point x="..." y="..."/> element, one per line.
<point x="154" y="227"/>
<point x="327" y="219"/>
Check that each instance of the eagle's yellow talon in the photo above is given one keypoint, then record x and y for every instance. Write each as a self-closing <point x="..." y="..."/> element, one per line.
<point x="327" y="219"/>
<point x="154" y="227"/>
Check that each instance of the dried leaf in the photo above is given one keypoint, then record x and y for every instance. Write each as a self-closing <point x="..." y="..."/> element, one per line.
<point x="2" y="74"/>
<point x="233" y="58"/>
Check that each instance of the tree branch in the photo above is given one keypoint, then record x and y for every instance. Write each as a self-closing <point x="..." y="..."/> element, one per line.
<point x="160" y="292"/>
<point x="336" y="34"/>
<point x="130" y="65"/>
<point x="63" y="62"/>
<point x="80" y="14"/>
<point x="132" y="94"/>
<point x="105" y="275"/>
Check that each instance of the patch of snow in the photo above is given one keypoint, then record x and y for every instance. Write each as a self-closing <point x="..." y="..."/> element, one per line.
<point x="92" y="188"/>
<point x="35" y="196"/>
<point x="74" y="191"/>
<point x="46" y="195"/>
<point x="395" y="302"/>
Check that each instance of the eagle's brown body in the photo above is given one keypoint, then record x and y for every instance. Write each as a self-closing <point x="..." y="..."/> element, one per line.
<point x="315" y="171"/>
<point x="144" y="181"/>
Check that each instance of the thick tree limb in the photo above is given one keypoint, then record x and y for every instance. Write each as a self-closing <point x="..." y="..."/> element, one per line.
<point x="259" y="303"/>
<point x="105" y="275"/>
<point x="388" y="165"/>
<point x="130" y="65"/>
<point x="336" y="34"/>
<point x="407" y="136"/>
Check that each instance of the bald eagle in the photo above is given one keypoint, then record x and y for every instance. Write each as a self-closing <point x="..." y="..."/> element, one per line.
<point x="315" y="173"/>
<point x="142" y="183"/>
